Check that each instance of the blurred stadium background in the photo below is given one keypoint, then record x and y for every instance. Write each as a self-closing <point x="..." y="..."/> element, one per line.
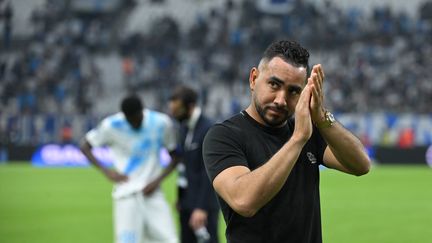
<point x="65" y="64"/>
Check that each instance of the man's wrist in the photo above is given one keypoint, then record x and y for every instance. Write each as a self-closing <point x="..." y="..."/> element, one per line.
<point x="327" y="121"/>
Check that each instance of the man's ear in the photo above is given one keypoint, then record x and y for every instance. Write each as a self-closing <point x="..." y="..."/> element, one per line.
<point x="253" y="75"/>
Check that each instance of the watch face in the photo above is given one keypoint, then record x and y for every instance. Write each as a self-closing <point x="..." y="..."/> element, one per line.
<point x="330" y="117"/>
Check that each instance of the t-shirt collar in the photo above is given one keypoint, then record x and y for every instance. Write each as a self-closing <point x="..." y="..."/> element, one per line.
<point x="271" y="130"/>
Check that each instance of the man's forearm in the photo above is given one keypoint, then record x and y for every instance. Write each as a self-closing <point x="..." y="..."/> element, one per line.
<point x="347" y="149"/>
<point x="86" y="150"/>
<point x="171" y="166"/>
<point x="250" y="191"/>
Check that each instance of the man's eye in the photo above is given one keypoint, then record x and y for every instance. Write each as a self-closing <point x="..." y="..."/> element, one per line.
<point x="294" y="91"/>
<point x="273" y="85"/>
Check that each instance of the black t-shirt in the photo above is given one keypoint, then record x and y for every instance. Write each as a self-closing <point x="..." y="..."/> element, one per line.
<point x="293" y="215"/>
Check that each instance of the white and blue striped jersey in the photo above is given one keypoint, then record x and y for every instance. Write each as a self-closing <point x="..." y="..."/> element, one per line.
<point x="135" y="152"/>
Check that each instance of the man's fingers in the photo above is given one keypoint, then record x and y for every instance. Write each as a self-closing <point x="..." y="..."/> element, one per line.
<point x="318" y="70"/>
<point x="317" y="87"/>
<point x="321" y="72"/>
<point x="306" y="93"/>
<point x="316" y="95"/>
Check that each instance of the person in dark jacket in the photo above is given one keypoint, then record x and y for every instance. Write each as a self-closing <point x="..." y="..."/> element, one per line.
<point x="197" y="203"/>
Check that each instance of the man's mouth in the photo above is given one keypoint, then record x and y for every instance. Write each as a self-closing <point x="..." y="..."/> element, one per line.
<point x="276" y="111"/>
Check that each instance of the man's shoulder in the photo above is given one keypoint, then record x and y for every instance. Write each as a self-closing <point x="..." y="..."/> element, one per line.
<point x="205" y="122"/>
<point x="155" y="113"/>
<point x="157" y="116"/>
<point x="232" y="126"/>
<point x="114" y="120"/>
<point x="114" y="116"/>
<point x="235" y="121"/>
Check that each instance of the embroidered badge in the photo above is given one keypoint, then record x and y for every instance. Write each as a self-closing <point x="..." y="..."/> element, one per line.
<point x="311" y="157"/>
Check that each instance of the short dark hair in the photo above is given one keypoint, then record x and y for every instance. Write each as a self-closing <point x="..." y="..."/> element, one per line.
<point x="131" y="105"/>
<point x="185" y="94"/>
<point x="290" y="51"/>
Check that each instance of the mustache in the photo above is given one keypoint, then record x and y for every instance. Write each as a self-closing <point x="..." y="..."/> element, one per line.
<point x="277" y="108"/>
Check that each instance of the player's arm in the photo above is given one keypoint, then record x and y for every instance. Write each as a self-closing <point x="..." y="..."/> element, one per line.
<point x="112" y="175"/>
<point x="248" y="191"/>
<point x="345" y="151"/>
<point x="170" y="143"/>
<point x="153" y="185"/>
<point x="203" y="196"/>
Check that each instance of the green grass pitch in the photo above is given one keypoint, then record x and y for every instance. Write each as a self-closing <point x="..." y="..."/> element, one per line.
<point x="68" y="205"/>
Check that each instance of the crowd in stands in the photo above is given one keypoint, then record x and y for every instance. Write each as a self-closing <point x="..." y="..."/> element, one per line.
<point x="377" y="62"/>
<point x="373" y="63"/>
<point x="54" y="71"/>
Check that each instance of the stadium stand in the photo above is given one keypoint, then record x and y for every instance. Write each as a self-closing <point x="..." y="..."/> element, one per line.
<point x="72" y="61"/>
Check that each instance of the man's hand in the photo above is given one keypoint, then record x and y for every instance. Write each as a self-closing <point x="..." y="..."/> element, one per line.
<point x="303" y="123"/>
<point x="114" y="176"/>
<point x="198" y="219"/>
<point x="317" y="100"/>
<point x="151" y="187"/>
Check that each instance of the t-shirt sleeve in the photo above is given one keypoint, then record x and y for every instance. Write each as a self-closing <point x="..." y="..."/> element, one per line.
<point x="222" y="149"/>
<point x="169" y="136"/>
<point x="99" y="135"/>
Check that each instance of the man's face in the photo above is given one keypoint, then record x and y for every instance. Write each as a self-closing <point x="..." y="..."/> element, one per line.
<point x="135" y="120"/>
<point x="276" y="86"/>
<point x="178" y="110"/>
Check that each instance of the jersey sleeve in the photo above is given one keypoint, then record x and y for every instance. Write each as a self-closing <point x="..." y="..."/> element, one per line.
<point x="222" y="149"/>
<point x="99" y="135"/>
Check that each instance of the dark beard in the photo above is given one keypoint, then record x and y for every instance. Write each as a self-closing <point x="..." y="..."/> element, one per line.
<point x="182" y="117"/>
<point x="262" y="113"/>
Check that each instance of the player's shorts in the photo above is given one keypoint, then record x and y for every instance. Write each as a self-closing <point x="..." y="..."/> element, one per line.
<point x="139" y="219"/>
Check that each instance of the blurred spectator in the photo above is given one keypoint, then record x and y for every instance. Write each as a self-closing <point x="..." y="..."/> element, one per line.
<point x="406" y="138"/>
<point x="4" y="141"/>
<point x="426" y="11"/>
<point x="128" y="71"/>
<point x="66" y="134"/>
<point x="6" y="14"/>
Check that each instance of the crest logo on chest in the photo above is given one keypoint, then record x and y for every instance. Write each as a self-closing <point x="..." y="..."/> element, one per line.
<point x="311" y="157"/>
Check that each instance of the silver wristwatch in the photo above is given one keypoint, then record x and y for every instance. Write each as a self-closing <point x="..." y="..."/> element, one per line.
<point x="329" y="120"/>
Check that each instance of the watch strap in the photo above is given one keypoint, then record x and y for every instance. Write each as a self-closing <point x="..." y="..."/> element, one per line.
<point x="328" y="121"/>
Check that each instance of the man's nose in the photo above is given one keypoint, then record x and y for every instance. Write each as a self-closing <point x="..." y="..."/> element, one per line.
<point x="280" y="99"/>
